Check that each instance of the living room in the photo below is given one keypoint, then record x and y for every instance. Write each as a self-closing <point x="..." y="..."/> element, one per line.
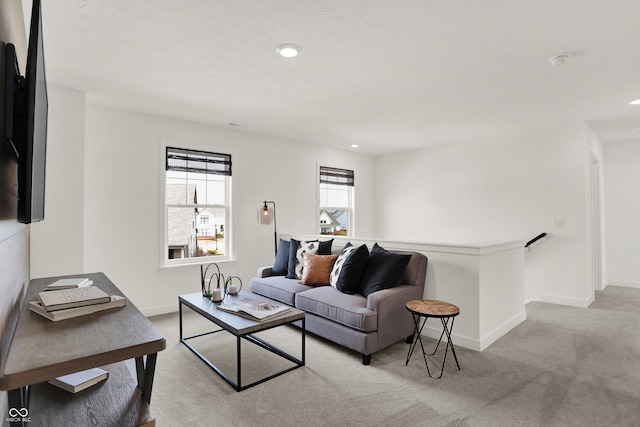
<point x="105" y="176"/>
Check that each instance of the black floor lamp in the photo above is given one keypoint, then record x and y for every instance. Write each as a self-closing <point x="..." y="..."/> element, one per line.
<point x="267" y="215"/>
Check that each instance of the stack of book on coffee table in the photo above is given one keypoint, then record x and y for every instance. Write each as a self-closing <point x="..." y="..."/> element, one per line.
<point x="254" y="309"/>
<point x="72" y="298"/>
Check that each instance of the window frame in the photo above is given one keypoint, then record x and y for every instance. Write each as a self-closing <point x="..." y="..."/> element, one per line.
<point x="342" y="177"/>
<point x="165" y="261"/>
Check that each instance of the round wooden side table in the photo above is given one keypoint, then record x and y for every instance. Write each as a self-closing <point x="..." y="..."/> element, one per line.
<point x="425" y="309"/>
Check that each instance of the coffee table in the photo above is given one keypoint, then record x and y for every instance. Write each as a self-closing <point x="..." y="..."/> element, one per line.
<point x="243" y="329"/>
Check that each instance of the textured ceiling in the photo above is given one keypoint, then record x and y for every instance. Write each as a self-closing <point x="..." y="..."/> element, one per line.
<point x="388" y="75"/>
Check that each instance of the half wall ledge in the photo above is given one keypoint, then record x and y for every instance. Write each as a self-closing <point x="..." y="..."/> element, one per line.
<point x="486" y="280"/>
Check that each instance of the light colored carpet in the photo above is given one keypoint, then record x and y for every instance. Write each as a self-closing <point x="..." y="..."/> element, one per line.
<point x="563" y="366"/>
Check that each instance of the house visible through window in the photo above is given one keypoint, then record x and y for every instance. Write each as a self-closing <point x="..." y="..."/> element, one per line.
<point x="197" y="188"/>
<point x="336" y="201"/>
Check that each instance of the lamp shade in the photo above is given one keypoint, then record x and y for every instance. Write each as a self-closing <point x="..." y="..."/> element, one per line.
<point x="265" y="215"/>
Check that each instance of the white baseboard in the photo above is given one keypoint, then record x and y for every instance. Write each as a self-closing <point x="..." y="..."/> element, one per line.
<point x="623" y="284"/>
<point x="458" y="340"/>
<point x="475" y="344"/>
<point x="502" y="330"/>
<point x="573" y="302"/>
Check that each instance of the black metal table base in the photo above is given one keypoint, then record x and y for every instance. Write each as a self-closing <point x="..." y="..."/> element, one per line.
<point x="237" y="384"/>
<point x="417" y="337"/>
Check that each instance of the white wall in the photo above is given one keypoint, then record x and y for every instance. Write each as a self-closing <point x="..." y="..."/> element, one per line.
<point x="120" y="227"/>
<point x="64" y="198"/>
<point x="622" y="187"/>
<point x="473" y="192"/>
<point x="508" y="188"/>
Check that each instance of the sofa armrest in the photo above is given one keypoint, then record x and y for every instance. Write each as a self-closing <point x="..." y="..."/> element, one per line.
<point x="265" y="271"/>
<point x="394" y="297"/>
<point x="394" y="320"/>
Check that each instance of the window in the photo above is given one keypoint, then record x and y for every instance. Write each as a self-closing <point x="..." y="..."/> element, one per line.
<point x="197" y="193"/>
<point x="336" y="201"/>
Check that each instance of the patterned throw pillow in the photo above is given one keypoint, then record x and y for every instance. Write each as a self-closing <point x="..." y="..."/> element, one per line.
<point x="337" y="267"/>
<point x="305" y="247"/>
<point x="323" y="248"/>
<point x="348" y="268"/>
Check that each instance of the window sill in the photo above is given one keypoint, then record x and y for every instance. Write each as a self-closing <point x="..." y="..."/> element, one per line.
<point x="170" y="268"/>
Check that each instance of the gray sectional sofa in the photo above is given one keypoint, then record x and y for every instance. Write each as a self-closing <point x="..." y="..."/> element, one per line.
<point x="364" y="324"/>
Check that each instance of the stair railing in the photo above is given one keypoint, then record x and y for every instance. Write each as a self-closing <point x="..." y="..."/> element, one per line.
<point x="535" y="239"/>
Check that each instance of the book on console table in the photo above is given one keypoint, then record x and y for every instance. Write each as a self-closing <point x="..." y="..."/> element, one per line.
<point x="69" y="313"/>
<point x="74" y="297"/>
<point x="254" y="309"/>
<point x="79" y="381"/>
<point x="70" y="283"/>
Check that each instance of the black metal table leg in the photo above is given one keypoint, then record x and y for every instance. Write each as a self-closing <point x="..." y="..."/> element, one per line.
<point x="238" y="385"/>
<point x="449" y="340"/>
<point x="438" y="309"/>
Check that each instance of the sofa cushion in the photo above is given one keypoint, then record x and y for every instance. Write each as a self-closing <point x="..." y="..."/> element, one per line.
<point x="349" y="267"/>
<point x="330" y="303"/>
<point x="384" y="270"/>
<point x="317" y="269"/>
<point x="281" y="264"/>
<point x="278" y="288"/>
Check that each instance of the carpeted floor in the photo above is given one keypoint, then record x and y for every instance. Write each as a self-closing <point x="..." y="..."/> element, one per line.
<point x="563" y="366"/>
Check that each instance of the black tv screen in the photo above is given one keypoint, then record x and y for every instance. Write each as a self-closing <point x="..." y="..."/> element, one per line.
<point x="32" y="127"/>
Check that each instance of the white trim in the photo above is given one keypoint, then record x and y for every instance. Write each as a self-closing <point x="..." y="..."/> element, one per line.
<point x="458" y="340"/>
<point x="623" y="284"/>
<point x="573" y="302"/>
<point x="453" y="248"/>
<point x="194" y="262"/>
<point x="350" y="209"/>
<point x="164" y="262"/>
<point x="473" y="344"/>
<point x="502" y="330"/>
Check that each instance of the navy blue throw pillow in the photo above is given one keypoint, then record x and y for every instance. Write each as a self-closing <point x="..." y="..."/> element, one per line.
<point x="291" y="265"/>
<point x="324" y="247"/>
<point x="384" y="270"/>
<point x="349" y="268"/>
<point x="281" y="264"/>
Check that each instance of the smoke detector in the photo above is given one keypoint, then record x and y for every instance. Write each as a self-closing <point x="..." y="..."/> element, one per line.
<point x="559" y="60"/>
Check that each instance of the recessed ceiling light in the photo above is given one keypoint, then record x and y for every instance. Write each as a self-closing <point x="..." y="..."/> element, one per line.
<point x="636" y="102"/>
<point x="354" y="146"/>
<point x="288" y="50"/>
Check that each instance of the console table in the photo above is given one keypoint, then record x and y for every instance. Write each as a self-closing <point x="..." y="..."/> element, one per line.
<point x="42" y="349"/>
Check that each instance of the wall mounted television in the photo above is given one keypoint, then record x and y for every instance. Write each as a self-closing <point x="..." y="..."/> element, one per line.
<point x="26" y="111"/>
